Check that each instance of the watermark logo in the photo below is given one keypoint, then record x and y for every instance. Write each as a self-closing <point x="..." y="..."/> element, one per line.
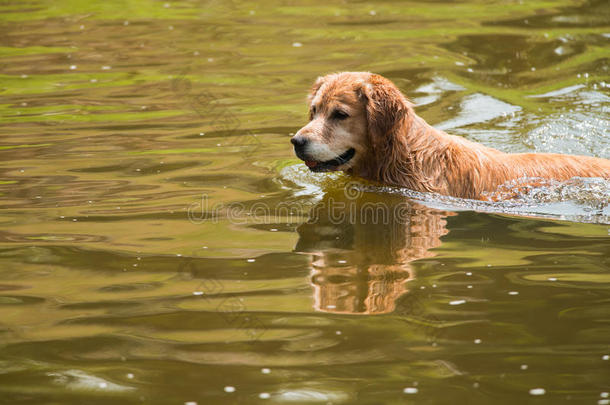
<point x="349" y="208"/>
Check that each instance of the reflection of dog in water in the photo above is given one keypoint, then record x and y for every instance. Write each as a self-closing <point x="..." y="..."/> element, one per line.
<point x="362" y="246"/>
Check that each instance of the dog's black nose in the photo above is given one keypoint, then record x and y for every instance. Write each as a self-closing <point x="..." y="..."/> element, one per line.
<point x="298" y="141"/>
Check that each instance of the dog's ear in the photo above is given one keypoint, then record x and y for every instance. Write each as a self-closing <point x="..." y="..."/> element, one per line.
<point x="312" y="93"/>
<point x="386" y="107"/>
<point x="314" y="89"/>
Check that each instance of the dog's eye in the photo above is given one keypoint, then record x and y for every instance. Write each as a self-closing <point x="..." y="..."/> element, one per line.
<point x="339" y="115"/>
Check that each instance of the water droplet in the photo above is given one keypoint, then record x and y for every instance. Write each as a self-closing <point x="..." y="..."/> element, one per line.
<point x="537" y="391"/>
<point x="297" y="44"/>
<point x="457" y="302"/>
<point x="229" y="388"/>
<point x="410" y="390"/>
<point x="265" y="370"/>
<point x="264" y="395"/>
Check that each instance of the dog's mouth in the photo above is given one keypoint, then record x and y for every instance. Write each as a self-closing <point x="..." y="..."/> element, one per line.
<point x="330" y="165"/>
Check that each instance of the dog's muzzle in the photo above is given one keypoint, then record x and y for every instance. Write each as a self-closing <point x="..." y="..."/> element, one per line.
<point x="330" y="165"/>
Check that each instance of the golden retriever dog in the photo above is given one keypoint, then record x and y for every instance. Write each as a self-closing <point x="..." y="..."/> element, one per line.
<point x="362" y="124"/>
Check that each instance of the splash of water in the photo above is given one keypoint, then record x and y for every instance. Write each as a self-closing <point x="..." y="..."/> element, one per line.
<point x="590" y="193"/>
<point x="577" y="200"/>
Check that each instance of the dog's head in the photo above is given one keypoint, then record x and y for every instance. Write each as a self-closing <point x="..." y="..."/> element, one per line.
<point x="353" y="117"/>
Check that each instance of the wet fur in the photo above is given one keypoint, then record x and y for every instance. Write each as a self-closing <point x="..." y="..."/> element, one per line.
<point x="401" y="149"/>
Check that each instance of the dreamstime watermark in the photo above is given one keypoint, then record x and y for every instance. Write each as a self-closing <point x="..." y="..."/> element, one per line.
<point x="336" y="211"/>
<point x="396" y="225"/>
<point x="221" y="119"/>
<point x="230" y="307"/>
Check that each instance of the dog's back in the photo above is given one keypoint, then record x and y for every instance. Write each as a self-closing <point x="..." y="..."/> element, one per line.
<point x="474" y="169"/>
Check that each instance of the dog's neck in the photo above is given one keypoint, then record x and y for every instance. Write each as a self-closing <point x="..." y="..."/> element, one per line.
<point x="412" y="160"/>
<point x="425" y="159"/>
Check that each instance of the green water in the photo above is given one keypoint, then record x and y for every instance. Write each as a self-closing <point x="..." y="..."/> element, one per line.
<point x="160" y="244"/>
